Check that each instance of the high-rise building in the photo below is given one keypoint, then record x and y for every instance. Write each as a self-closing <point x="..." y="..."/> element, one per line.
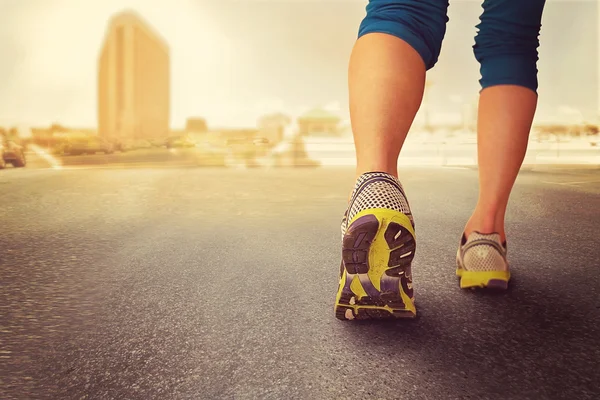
<point x="133" y="81"/>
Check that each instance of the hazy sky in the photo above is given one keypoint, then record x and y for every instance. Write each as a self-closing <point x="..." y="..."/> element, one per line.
<point x="234" y="60"/>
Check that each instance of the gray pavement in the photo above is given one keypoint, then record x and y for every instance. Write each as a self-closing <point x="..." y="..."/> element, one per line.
<point x="195" y="283"/>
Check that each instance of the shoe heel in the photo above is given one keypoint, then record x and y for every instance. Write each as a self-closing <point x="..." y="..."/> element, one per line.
<point x="376" y="281"/>
<point x="497" y="280"/>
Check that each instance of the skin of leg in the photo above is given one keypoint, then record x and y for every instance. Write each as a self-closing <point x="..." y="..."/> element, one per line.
<point x="504" y="121"/>
<point x="506" y="48"/>
<point x="386" y="79"/>
<point x="398" y="41"/>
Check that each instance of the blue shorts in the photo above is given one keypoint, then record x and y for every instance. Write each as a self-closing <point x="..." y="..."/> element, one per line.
<point x="505" y="46"/>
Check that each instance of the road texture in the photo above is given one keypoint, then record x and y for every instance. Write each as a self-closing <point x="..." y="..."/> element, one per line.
<point x="196" y="283"/>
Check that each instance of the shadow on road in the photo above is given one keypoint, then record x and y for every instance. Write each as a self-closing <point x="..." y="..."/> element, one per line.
<point x="525" y="342"/>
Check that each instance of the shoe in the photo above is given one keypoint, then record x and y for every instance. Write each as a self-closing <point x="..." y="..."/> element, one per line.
<point x="481" y="262"/>
<point x="378" y="246"/>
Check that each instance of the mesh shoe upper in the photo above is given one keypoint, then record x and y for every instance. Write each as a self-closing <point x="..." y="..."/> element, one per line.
<point x="483" y="252"/>
<point x="376" y="190"/>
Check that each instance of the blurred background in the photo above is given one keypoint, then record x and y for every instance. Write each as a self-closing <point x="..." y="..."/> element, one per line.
<point x="256" y="84"/>
<point x="173" y="177"/>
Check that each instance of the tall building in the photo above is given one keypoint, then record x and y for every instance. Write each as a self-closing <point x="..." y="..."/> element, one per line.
<point x="133" y="81"/>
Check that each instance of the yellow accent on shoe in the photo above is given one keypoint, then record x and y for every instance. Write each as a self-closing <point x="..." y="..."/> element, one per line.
<point x="386" y="214"/>
<point x="478" y="279"/>
<point x="356" y="287"/>
<point x="340" y="289"/>
<point x="471" y="279"/>
<point x="409" y="303"/>
<point x="379" y="256"/>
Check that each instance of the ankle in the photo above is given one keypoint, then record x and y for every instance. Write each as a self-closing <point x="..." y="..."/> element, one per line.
<point x="486" y="223"/>
<point x="388" y="169"/>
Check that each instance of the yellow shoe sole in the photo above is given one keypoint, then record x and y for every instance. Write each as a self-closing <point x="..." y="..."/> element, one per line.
<point x="482" y="279"/>
<point x="376" y="281"/>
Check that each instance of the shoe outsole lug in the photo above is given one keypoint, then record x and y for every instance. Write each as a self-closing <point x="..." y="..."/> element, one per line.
<point x="357" y="242"/>
<point x="386" y="303"/>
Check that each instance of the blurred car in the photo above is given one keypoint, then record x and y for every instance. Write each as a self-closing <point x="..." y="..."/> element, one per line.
<point x="88" y="145"/>
<point x="11" y="153"/>
<point x="179" y="142"/>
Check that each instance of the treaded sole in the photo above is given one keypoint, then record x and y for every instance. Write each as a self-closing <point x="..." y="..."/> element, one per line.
<point x="377" y="252"/>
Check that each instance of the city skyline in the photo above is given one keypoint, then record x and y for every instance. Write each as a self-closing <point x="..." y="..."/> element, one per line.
<point x="234" y="61"/>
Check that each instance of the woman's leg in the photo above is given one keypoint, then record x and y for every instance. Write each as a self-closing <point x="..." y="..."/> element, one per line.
<point x="386" y="81"/>
<point x="506" y="47"/>
<point x="398" y="41"/>
<point x="504" y="120"/>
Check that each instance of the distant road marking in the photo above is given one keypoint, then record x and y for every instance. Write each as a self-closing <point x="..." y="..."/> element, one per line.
<point x="49" y="158"/>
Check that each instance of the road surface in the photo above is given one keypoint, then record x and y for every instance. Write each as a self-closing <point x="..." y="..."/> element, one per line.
<point x="196" y="283"/>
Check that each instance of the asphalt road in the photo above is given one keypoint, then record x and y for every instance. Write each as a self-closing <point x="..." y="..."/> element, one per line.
<point x="193" y="283"/>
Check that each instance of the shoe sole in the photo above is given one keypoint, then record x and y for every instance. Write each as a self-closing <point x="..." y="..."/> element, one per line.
<point x="495" y="280"/>
<point x="377" y="252"/>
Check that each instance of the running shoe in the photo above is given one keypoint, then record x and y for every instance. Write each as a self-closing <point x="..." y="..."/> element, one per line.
<point x="481" y="262"/>
<point x="378" y="246"/>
